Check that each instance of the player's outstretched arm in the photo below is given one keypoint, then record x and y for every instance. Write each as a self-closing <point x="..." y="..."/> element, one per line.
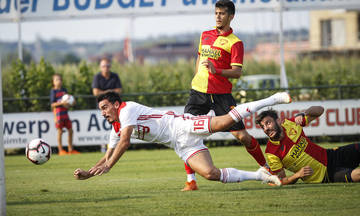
<point x="81" y="174"/>
<point x="305" y="171"/>
<point x="119" y="150"/>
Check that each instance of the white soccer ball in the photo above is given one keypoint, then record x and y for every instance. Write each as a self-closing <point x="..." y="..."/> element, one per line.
<point x="38" y="151"/>
<point x="68" y="99"/>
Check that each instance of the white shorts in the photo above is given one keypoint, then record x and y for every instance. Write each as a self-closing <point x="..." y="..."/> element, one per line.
<point x="186" y="142"/>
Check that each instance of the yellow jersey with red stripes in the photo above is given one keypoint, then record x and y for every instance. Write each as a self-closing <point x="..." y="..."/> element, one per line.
<point x="223" y="50"/>
<point x="295" y="151"/>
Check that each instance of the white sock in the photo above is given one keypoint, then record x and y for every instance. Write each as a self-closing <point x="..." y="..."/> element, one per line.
<point x="230" y="175"/>
<point x="191" y="177"/>
<point x="243" y="110"/>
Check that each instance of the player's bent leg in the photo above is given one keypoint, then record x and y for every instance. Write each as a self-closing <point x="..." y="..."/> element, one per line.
<point x="207" y="124"/>
<point x="246" y="109"/>
<point x="221" y="123"/>
<point x="202" y="164"/>
<point x="355" y="175"/>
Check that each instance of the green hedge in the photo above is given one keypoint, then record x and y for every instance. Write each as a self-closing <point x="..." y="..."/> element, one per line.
<point x="148" y="84"/>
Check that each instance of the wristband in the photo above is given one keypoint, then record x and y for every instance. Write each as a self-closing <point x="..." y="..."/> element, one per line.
<point x="300" y="114"/>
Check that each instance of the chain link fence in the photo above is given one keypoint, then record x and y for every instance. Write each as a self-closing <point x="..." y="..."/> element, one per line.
<point x="179" y="98"/>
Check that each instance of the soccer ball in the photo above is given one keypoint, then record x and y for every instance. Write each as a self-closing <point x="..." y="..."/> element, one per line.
<point x="68" y="99"/>
<point x="38" y="151"/>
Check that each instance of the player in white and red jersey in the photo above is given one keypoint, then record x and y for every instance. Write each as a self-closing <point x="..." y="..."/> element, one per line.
<point x="182" y="133"/>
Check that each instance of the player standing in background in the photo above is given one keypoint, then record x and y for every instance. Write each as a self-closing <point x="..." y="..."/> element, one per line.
<point x="62" y="119"/>
<point x="220" y="58"/>
<point x="289" y="148"/>
<point x="105" y="80"/>
<point x="183" y="133"/>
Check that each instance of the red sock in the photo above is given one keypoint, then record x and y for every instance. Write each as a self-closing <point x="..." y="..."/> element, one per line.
<point x="256" y="152"/>
<point x="188" y="169"/>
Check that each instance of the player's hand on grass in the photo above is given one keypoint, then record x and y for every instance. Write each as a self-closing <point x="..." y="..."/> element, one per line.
<point x="80" y="174"/>
<point x="210" y="66"/>
<point x="99" y="170"/>
<point x="305" y="171"/>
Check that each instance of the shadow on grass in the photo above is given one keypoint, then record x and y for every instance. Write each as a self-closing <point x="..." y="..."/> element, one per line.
<point x="297" y="186"/>
<point x="27" y="202"/>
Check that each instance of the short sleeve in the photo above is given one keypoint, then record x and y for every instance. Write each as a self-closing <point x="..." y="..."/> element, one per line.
<point x="52" y="96"/>
<point x="114" y="139"/>
<point x="237" y="54"/>
<point x="95" y="82"/>
<point x="274" y="162"/>
<point x="128" y="117"/>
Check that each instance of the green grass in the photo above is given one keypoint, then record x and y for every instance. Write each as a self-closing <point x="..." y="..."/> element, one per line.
<point x="148" y="182"/>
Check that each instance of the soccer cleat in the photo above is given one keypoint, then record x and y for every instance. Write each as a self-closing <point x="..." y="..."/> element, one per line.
<point x="190" y="186"/>
<point x="266" y="176"/>
<point x="62" y="153"/>
<point x="282" y="97"/>
<point x="74" y="152"/>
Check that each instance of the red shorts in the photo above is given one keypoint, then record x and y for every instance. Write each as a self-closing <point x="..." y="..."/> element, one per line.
<point x="63" y="123"/>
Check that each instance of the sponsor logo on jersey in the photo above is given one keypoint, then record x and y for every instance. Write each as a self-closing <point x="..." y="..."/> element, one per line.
<point x="292" y="132"/>
<point x="142" y="131"/>
<point x="210" y="53"/>
<point x="223" y="42"/>
<point x="299" y="148"/>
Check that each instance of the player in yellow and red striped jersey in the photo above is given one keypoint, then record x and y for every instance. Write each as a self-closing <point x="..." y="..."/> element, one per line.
<point x="220" y="58"/>
<point x="289" y="148"/>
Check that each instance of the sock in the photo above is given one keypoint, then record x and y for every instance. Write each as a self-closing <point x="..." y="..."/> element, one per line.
<point x="244" y="110"/>
<point x="190" y="173"/>
<point x="230" y="175"/>
<point x="256" y="152"/>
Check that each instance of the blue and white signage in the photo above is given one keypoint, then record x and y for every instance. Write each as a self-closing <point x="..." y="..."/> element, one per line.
<point x="341" y="117"/>
<point x="61" y="9"/>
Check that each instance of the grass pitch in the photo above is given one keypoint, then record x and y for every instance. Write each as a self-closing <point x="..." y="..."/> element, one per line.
<point x="148" y="182"/>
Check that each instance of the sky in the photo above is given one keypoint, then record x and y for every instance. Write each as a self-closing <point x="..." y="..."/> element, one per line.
<point x="106" y="29"/>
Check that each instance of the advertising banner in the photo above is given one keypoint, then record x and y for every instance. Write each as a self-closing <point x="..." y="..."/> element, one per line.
<point x="40" y="10"/>
<point x="341" y="117"/>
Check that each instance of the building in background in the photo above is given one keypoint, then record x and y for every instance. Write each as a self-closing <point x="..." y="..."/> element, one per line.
<point x="270" y="51"/>
<point x="334" y="32"/>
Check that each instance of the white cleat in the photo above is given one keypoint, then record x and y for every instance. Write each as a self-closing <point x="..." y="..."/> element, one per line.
<point x="282" y="98"/>
<point x="266" y="177"/>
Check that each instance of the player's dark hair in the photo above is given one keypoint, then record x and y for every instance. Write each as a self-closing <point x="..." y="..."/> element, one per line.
<point x="229" y="5"/>
<point x="272" y="113"/>
<point x="112" y="97"/>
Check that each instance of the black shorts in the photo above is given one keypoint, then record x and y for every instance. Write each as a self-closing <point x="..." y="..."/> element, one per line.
<point x="201" y="103"/>
<point x="341" y="162"/>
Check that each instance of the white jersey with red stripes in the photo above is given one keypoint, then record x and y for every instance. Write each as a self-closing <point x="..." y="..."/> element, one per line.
<point x="151" y="125"/>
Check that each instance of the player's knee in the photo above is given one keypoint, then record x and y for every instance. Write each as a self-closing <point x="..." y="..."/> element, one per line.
<point x="212" y="174"/>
